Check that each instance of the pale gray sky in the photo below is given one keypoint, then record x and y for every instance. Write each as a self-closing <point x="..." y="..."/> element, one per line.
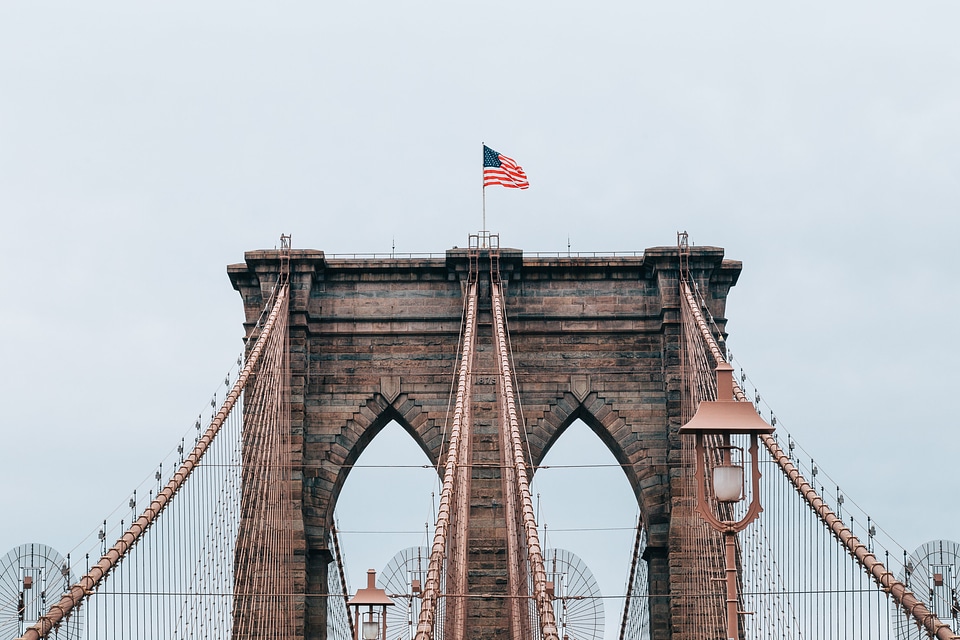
<point x="145" y="146"/>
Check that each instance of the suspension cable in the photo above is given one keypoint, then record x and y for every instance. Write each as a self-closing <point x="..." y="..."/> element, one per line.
<point x="343" y="578"/>
<point x="631" y="579"/>
<point x="459" y="432"/>
<point x="548" y="623"/>
<point x="89" y="582"/>
<point x="860" y="552"/>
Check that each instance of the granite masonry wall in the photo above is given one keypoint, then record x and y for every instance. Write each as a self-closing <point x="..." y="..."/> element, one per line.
<point x="594" y="338"/>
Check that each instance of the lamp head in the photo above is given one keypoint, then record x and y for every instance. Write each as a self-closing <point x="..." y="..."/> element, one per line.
<point x="725" y="416"/>
<point x="371" y="595"/>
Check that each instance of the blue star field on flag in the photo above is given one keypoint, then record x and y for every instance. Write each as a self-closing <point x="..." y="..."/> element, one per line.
<point x="501" y="170"/>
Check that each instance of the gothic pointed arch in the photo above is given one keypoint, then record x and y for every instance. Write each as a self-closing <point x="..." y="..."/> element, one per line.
<point x="649" y="481"/>
<point x="365" y="425"/>
<point x="592" y="338"/>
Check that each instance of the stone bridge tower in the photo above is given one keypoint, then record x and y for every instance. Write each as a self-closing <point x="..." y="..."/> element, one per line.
<point x="594" y="338"/>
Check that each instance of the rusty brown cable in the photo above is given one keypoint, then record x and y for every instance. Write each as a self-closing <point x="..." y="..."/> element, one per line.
<point x="897" y="589"/>
<point x="91" y="580"/>
<point x="548" y="624"/>
<point x="630" y="580"/>
<point x="459" y="429"/>
<point x="343" y="578"/>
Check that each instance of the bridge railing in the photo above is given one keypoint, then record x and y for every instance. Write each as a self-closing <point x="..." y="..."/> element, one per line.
<point x="397" y="255"/>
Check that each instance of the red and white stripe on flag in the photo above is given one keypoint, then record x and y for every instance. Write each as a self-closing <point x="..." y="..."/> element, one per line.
<point x="501" y="170"/>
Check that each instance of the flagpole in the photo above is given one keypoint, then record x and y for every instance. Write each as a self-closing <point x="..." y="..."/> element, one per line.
<point x="483" y="189"/>
<point x="484" y="230"/>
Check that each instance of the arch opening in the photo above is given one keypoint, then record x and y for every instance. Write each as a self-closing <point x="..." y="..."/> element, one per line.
<point x="585" y="504"/>
<point x="387" y="503"/>
<point x="363" y="435"/>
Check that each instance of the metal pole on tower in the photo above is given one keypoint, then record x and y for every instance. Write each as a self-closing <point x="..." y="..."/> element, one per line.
<point x="483" y="189"/>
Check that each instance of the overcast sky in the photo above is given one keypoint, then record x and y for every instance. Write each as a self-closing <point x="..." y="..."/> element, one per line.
<point x="145" y="146"/>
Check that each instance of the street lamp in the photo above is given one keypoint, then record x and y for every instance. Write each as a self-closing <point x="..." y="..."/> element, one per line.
<point x="374" y="624"/>
<point x="722" y="419"/>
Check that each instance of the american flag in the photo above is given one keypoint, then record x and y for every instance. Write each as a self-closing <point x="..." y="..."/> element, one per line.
<point x="499" y="169"/>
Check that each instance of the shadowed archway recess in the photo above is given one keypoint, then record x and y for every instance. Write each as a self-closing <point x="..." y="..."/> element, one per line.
<point x="595" y="339"/>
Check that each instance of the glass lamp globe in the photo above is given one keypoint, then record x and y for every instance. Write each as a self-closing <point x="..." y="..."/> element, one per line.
<point x="728" y="483"/>
<point x="371" y="630"/>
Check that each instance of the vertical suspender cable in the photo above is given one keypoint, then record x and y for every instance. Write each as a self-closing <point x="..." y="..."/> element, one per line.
<point x="343" y="577"/>
<point x="863" y="556"/>
<point x="630" y="580"/>
<point x="86" y="585"/>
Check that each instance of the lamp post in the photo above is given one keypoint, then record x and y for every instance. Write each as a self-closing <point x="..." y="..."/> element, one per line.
<point x="374" y="624"/>
<point x="722" y="419"/>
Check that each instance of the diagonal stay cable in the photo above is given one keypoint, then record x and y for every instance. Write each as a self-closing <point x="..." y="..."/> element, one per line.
<point x="864" y="557"/>
<point x="548" y="625"/>
<point x="460" y="429"/>
<point x="88" y="583"/>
